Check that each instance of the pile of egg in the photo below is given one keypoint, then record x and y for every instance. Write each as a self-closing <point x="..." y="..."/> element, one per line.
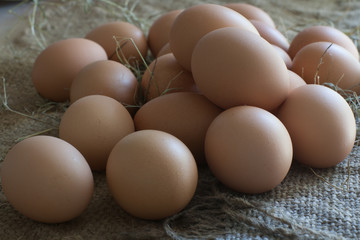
<point x="225" y="89"/>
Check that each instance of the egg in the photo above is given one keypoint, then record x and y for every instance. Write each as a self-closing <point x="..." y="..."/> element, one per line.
<point x="47" y="179"/>
<point x="322" y="34"/>
<point x="321" y="125"/>
<point x="108" y="34"/>
<point x="94" y="124"/>
<point x="295" y="80"/>
<point x="166" y="75"/>
<point x="151" y="174"/>
<point x="325" y="62"/>
<point x="271" y="34"/>
<point x="283" y="54"/>
<point x="194" y="22"/>
<point x="185" y="115"/>
<point x="233" y="67"/>
<point x="107" y="78"/>
<point x="252" y="12"/>
<point x="159" y="32"/>
<point x="248" y="149"/>
<point x="57" y="65"/>
<point x="164" y="50"/>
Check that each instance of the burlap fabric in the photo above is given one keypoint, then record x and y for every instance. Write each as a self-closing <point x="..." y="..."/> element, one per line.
<point x="304" y="206"/>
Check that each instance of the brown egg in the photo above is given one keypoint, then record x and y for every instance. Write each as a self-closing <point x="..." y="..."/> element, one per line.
<point x="270" y="34"/>
<point x="295" y="80"/>
<point x="55" y="68"/>
<point x="185" y="115"/>
<point x="284" y="56"/>
<point x="233" y="67"/>
<point x="195" y="22"/>
<point x="94" y="124"/>
<point x="322" y="62"/>
<point x="122" y="31"/>
<point x="248" y="149"/>
<point x="322" y="34"/>
<point x="164" y="50"/>
<point x="159" y="32"/>
<point x="166" y="75"/>
<point x="47" y="179"/>
<point x="151" y="174"/>
<point x="107" y="78"/>
<point x="252" y="12"/>
<point x="321" y="125"/>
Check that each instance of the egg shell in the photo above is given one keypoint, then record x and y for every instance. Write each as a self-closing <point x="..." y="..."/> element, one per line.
<point x="248" y="149"/>
<point x="295" y="80"/>
<point x="94" y="124"/>
<point x="283" y="54"/>
<point x="322" y="62"/>
<point x="107" y="78"/>
<point x="57" y="65"/>
<point x="196" y="21"/>
<point x="235" y="67"/>
<point x="159" y="32"/>
<point x="252" y="12"/>
<point x="321" y="125"/>
<point x="322" y="34"/>
<point x="271" y="34"/>
<point x="166" y="75"/>
<point x="122" y="31"/>
<point x="151" y="174"/>
<point x="47" y="179"/>
<point x="164" y="50"/>
<point x="185" y="115"/>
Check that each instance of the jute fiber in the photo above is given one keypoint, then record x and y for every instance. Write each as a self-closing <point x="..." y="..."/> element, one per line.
<point x="324" y="204"/>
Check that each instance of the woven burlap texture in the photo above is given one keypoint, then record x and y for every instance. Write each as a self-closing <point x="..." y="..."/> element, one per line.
<point x="303" y="206"/>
